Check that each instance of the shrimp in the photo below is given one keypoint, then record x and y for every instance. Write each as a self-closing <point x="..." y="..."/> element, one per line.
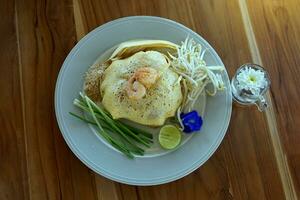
<point x="141" y="80"/>
<point x="135" y="90"/>
<point x="146" y="76"/>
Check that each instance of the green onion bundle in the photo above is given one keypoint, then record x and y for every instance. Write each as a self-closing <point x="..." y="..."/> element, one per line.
<point x="127" y="139"/>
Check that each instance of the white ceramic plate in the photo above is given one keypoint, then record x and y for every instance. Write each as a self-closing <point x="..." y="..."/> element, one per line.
<point x="157" y="166"/>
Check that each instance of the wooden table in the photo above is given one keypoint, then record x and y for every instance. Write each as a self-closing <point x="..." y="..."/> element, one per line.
<point x="260" y="155"/>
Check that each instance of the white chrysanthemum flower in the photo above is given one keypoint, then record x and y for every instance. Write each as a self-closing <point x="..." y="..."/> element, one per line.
<point x="251" y="79"/>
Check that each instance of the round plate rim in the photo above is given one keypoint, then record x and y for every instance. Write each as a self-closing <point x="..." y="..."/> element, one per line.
<point x="104" y="173"/>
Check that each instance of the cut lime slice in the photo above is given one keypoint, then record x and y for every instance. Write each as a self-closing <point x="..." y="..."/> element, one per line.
<point x="169" y="137"/>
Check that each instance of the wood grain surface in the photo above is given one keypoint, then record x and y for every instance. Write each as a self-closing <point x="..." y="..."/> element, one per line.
<point x="277" y="27"/>
<point x="36" y="36"/>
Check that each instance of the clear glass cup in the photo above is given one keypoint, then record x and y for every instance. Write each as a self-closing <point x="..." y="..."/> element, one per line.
<point x="246" y="97"/>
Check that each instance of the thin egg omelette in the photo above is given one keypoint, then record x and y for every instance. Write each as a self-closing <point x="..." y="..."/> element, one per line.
<point x="160" y="100"/>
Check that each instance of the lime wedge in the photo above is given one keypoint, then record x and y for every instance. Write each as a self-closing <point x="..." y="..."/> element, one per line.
<point x="169" y="137"/>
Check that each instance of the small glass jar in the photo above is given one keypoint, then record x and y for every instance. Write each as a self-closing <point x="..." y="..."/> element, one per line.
<point x="246" y="96"/>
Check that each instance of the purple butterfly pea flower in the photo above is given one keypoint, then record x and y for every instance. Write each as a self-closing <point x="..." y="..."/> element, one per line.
<point x="191" y="121"/>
